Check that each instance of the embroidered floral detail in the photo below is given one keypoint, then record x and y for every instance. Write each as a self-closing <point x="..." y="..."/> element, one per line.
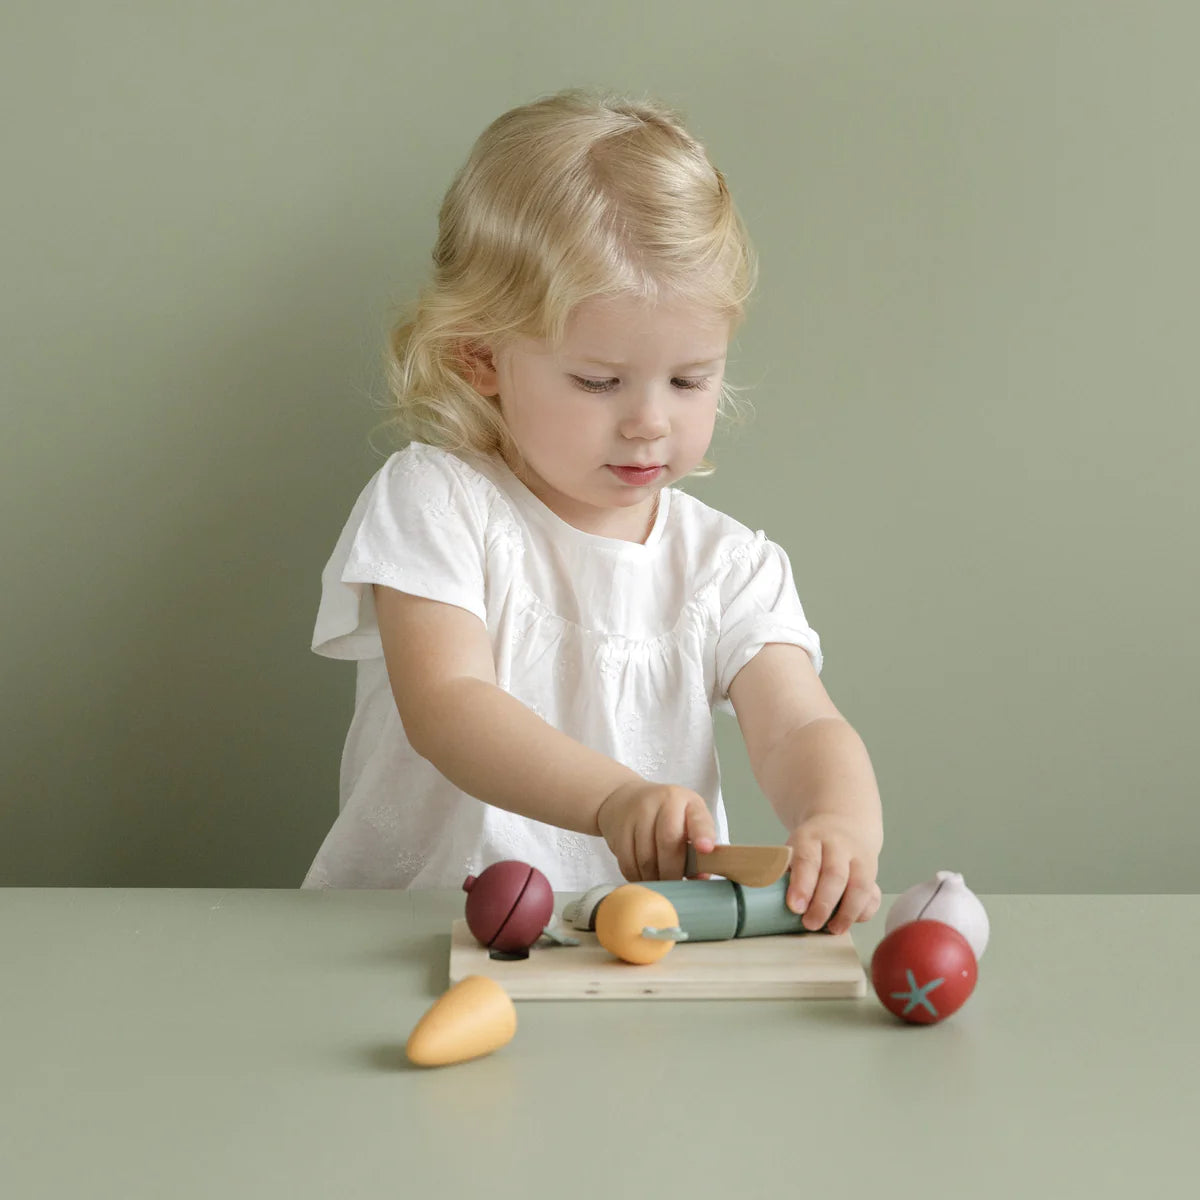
<point x="409" y="865"/>
<point x="438" y="510"/>
<point x="386" y="818"/>
<point x="610" y="663"/>
<point x="575" y="845"/>
<point x="649" y="763"/>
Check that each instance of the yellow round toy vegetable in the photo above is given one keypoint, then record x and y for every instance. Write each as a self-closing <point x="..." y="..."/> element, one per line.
<point x="473" y="1018"/>
<point x="625" y="917"/>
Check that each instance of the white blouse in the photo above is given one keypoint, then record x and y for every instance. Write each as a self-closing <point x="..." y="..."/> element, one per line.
<point x="626" y="647"/>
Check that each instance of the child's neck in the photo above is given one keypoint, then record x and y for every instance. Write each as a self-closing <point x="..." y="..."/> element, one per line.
<point x="633" y="524"/>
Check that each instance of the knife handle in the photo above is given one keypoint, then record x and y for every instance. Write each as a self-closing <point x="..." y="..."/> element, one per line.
<point x="751" y="866"/>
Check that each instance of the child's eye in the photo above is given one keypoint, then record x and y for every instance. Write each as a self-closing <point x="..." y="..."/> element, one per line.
<point x="607" y="385"/>
<point x="595" y="385"/>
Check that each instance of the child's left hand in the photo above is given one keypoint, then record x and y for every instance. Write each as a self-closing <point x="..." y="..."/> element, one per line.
<point x="833" y="867"/>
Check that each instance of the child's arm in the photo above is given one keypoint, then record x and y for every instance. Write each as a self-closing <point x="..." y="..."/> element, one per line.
<point x="493" y="747"/>
<point x="815" y="770"/>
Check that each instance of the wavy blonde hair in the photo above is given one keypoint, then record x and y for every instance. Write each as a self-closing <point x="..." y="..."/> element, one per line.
<point x="574" y="196"/>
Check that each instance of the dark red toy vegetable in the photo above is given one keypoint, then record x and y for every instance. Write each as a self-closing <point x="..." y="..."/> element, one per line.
<point x="508" y="905"/>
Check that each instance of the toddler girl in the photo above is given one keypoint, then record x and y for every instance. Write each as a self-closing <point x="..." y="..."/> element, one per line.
<point x="542" y="624"/>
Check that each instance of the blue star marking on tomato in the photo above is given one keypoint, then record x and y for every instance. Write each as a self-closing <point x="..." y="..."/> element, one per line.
<point x="917" y="995"/>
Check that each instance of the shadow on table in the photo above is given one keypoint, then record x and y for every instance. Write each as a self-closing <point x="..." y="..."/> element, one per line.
<point x="426" y="956"/>
<point x="430" y="955"/>
<point x="389" y="1058"/>
<point x="848" y="1014"/>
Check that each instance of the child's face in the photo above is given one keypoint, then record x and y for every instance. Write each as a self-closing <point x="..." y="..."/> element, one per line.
<point x="632" y="385"/>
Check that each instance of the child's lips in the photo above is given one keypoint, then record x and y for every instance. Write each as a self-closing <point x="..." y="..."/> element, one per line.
<point x="637" y="476"/>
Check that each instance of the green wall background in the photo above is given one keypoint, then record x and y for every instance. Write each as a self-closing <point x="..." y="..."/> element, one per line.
<point x="971" y="360"/>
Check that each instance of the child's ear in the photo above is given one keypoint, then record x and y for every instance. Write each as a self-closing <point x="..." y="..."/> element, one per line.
<point x="479" y="368"/>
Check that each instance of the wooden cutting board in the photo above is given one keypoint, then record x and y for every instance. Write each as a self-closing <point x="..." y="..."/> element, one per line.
<point x="781" y="967"/>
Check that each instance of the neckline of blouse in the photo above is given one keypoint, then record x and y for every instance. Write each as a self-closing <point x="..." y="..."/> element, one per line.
<point x="512" y="487"/>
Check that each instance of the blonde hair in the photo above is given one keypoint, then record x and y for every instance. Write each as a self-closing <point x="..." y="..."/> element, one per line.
<point x="574" y="196"/>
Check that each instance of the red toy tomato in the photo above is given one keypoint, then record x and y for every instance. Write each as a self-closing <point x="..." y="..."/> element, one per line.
<point x="923" y="971"/>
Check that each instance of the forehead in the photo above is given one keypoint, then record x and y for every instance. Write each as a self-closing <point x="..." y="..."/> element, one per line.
<point x="620" y="330"/>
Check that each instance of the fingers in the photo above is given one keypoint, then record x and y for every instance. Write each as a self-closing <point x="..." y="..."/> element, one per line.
<point x="830" y="888"/>
<point x="671" y="840"/>
<point x="701" y="829"/>
<point x="806" y="869"/>
<point x="633" y="844"/>
<point x="681" y="816"/>
<point x="831" y="883"/>
<point x="626" y="858"/>
<point x="645" y="846"/>
<point x="648" y="829"/>
<point x="667" y="820"/>
<point x="860" y="896"/>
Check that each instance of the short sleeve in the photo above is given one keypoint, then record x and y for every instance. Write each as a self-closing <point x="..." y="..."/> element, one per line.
<point x="759" y="605"/>
<point x="416" y="528"/>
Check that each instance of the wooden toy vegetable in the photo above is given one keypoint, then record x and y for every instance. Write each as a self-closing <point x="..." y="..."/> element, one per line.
<point x="946" y="898"/>
<point x="710" y="910"/>
<point x="923" y="971"/>
<point x="508" y="905"/>
<point x="473" y="1018"/>
<point x="637" y="924"/>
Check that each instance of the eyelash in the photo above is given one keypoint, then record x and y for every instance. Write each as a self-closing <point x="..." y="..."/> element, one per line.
<point x="596" y="386"/>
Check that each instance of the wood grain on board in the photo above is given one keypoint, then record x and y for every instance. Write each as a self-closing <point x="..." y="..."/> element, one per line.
<point x="784" y="966"/>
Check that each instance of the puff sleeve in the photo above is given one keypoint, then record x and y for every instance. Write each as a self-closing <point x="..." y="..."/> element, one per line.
<point x="415" y="527"/>
<point x="759" y="605"/>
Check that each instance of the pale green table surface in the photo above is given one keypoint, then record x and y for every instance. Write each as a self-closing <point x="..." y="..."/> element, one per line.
<point x="179" y="1044"/>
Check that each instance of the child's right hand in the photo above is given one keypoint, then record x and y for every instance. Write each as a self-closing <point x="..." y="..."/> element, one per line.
<point x="648" y="826"/>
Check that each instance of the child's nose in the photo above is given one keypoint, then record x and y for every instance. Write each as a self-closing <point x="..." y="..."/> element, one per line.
<point x="646" y="417"/>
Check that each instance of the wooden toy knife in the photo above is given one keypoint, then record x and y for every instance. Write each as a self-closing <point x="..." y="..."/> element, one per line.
<point x="751" y="866"/>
